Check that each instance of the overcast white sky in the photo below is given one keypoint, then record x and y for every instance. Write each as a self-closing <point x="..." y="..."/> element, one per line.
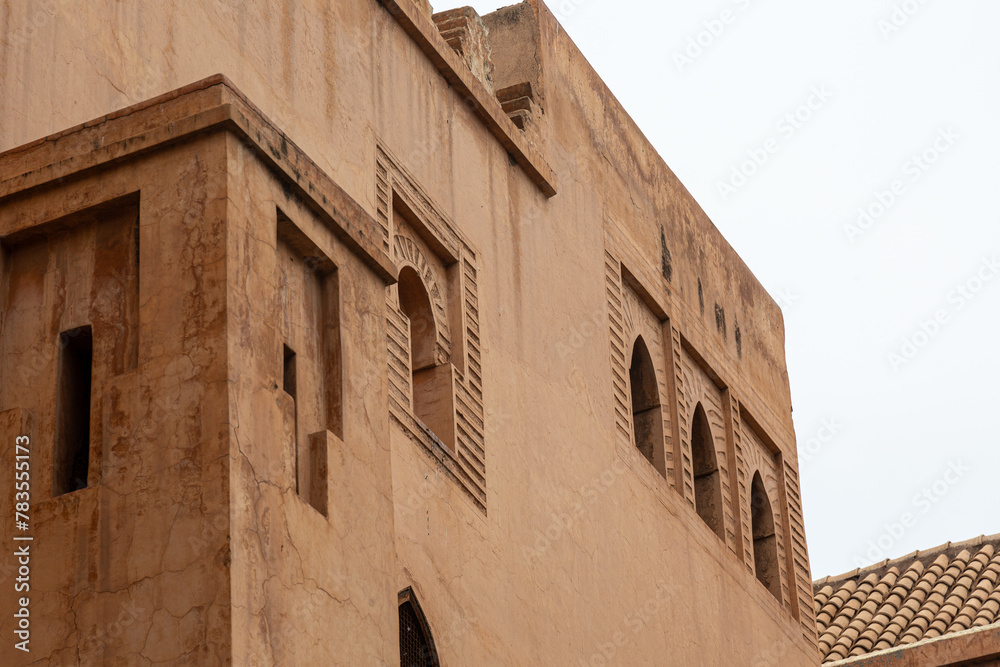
<point x="896" y="453"/>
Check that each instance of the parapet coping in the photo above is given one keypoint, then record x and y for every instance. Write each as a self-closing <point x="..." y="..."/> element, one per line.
<point x="210" y="105"/>
<point x="950" y="549"/>
<point x="425" y="34"/>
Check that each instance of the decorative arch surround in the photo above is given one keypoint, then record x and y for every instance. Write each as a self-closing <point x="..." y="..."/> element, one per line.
<point x="424" y="239"/>
<point x="407" y="252"/>
<point x="416" y="643"/>
<point x="763" y="458"/>
<point x="779" y="476"/>
<point x="694" y="387"/>
<point x="633" y="313"/>
<point x="763" y="530"/>
<point x="639" y="297"/>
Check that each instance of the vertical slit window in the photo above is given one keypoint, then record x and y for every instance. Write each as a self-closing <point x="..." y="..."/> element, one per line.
<point x="288" y="383"/>
<point x="71" y="460"/>
<point x="288" y="374"/>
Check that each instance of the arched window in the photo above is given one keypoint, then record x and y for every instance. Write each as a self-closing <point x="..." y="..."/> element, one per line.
<point x="647" y="417"/>
<point x="416" y="646"/>
<point x="431" y="383"/>
<point x="765" y="545"/>
<point x="707" y="480"/>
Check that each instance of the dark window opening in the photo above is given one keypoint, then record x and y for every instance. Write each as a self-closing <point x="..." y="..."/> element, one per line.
<point x="765" y="543"/>
<point x="647" y="416"/>
<point x="71" y="460"/>
<point x="288" y="385"/>
<point x="415" y="303"/>
<point x="431" y="382"/>
<point x="416" y="648"/>
<point x="288" y="375"/>
<point x="707" y="479"/>
<point x="331" y="352"/>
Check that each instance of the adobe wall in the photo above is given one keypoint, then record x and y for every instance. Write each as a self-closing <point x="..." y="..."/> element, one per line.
<point x="311" y="585"/>
<point x="137" y="562"/>
<point x="209" y="468"/>
<point x="565" y="544"/>
<point x="336" y="76"/>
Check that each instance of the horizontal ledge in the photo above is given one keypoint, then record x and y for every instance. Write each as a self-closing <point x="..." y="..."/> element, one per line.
<point x="211" y="105"/>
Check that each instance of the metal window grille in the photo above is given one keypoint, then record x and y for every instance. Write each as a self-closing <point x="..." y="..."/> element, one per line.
<point x="414" y="645"/>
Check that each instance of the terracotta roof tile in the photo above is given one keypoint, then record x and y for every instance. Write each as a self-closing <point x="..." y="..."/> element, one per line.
<point x="920" y="596"/>
<point x="869" y="622"/>
<point x="821" y="597"/>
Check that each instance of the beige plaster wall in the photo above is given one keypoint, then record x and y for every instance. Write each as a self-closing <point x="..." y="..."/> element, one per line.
<point x="134" y="568"/>
<point x="307" y="588"/>
<point x="582" y="555"/>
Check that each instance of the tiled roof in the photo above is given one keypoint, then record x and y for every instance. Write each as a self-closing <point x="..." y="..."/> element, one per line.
<point x="927" y="594"/>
